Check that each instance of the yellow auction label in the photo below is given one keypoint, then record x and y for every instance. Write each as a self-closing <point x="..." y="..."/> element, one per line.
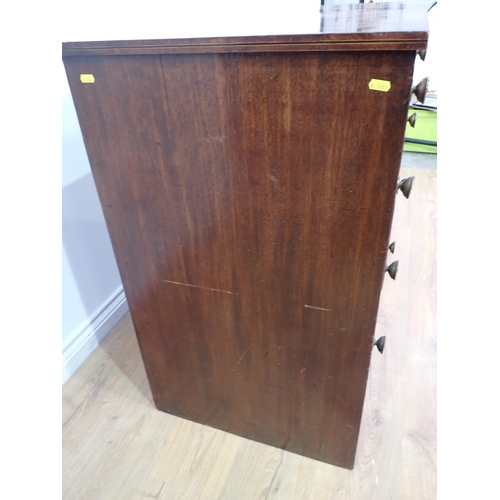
<point x="381" y="85"/>
<point x="87" y="78"/>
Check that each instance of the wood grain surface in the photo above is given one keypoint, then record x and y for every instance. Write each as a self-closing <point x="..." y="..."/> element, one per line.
<point x="116" y="445"/>
<point x="249" y="200"/>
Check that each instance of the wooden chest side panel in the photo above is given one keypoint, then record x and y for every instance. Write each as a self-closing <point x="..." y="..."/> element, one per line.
<point x="249" y="200"/>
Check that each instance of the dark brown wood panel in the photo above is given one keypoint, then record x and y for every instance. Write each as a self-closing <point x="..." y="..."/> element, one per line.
<point x="249" y="199"/>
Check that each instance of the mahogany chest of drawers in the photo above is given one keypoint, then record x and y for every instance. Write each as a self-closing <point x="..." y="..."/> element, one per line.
<point x="248" y="185"/>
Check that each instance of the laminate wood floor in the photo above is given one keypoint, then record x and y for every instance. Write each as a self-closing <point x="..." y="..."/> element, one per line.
<point x="116" y="445"/>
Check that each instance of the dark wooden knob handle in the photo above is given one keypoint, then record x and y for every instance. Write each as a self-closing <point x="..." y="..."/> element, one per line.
<point x="392" y="246"/>
<point x="412" y="120"/>
<point x="421" y="89"/>
<point x="380" y="343"/>
<point x="405" y="185"/>
<point x="392" y="269"/>
<point x="422" y="53"/>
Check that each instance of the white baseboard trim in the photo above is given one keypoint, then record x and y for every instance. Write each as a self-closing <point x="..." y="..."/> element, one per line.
<point x="85" y="339"/>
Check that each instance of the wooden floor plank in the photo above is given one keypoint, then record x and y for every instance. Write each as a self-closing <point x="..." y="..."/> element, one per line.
<point x="420" y="425"/>
<point x="377" y="474"/>
<point x="116" y="445"/>
<point x="197" y="456"/>
<point x="252" y="472"/>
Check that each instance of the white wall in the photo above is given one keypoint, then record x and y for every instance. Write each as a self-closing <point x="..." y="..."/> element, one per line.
<point x="93" y="298"/>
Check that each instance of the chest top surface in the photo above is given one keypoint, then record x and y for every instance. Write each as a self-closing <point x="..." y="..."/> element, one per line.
<point x="344" y="26"/>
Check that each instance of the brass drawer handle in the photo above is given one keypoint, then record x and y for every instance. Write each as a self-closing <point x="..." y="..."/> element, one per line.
<point x="392" y="246"/>
<point x="421" y="89"/>
<point x="412" y="119"/>
<point x="405" y="185"/>
<point x="392" y="269"/>
<point x="380" y="343"/>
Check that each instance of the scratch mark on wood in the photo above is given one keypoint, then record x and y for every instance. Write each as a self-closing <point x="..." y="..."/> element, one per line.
<point x="276" y="185"/>
<point x="278" y="348"/>
<point x="241" y="357"/>
<point x="317" y="308"/>
<point x="201" y="287"/>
